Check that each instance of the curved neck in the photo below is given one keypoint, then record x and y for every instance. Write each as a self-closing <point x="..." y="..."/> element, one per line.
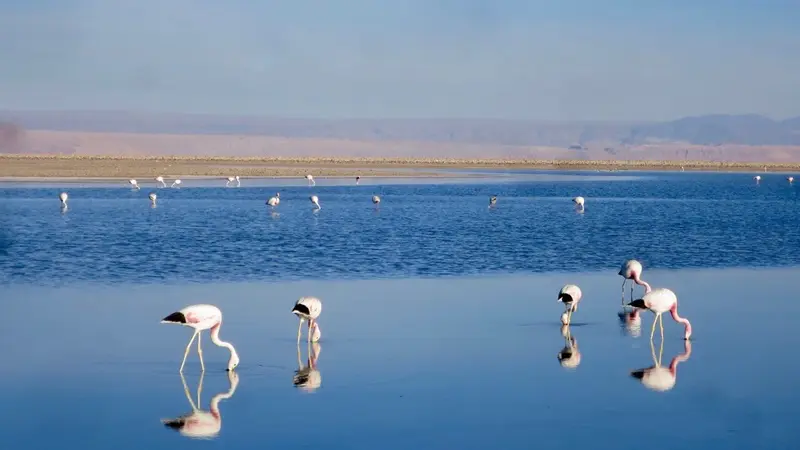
<point x="641" y="282"/>
<point x="215" y="339"/>
<point x="674" y="312"/>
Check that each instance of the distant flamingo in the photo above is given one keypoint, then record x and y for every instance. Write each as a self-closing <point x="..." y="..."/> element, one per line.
<point x="134" y="184"/>
<point x="790" y="179"/>
<point x="660" y="378"/>
<point x="315" y="200"/>
<point x="578" y="202"/>
<point x="274" y="201"/>
<point x="63" y="197"/>
<point x="198" y="423"/>
<point x="358" y="179"/>
<point x="308" y="309"/>
<point x="757" y="178"/>
<point x="570" y="295"/>
<point x="659" y="301"/>
<point x="311" y="181"/>
<point x="376" y="200"/>
<point x="570" y="356"/>
<point x="230" y="180"/>
<point x="176" y="183"/>
<point x="308" y="377"/>
<point x="160" y="179"/>
<point x="153" y="198"/>
<point x="202" y="317"/>
<point x="632" y="270"/>
<point x="492" y="201"/>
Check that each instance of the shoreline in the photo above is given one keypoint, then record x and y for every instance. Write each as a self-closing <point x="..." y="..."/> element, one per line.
<point x="99" y="167"/>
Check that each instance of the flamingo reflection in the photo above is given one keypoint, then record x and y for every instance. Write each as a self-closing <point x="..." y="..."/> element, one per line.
<point x="658" y="378"/>
<point x="307" y="377"/>
<point x="631" y="322"/>
<point x="200" y="424"/>
<point x="570" y="356"/>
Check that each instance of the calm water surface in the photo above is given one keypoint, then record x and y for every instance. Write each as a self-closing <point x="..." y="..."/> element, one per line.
<point x="440" y="325"/>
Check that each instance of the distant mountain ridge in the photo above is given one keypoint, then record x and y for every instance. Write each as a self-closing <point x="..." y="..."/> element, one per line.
<point x="717" y="129"/>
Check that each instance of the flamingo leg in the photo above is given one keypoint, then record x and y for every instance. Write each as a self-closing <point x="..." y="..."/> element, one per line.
<point x="653" y="329"/>
<point x="569" y="316"/>
<point x="624" y="280"/>
<point x="308" y="331"/>
<point x="200" y="354"/>
<point x="299" y="330"/>
<point x="661" y="323"/>
<point x="200" y="388"/>
<point x="188" y="394"/>
<point x="186" y="353"/>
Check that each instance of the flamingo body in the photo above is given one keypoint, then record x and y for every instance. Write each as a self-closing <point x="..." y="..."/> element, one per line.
<point x="153" y="197"/>
<point x="176" y="183"/>
<point x="311" y="181"/>
<point x="659" y="301"/>
<point x="579" y="201"/>
<point x="315" y="200"/>
<point x="274" y="201"/>
<point x="757" y="178"/>
<point x="632" y="270"/>
<point x="160" y="179"/>
<point x="376" y="199"/>
<point x="492" y="200"/>
<point x="134" y="184"/>
<point x="570" y="295"/>
<point x="790" y="179"/>
<point x="202" y="317"/>
<point x="63" y="197"/>
<point x="308" y="309"/>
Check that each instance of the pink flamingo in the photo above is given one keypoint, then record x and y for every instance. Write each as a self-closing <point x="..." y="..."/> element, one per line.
<point x="659" y="301"/>
<point x="202" y="317"/>
<point x="632" y="270"/>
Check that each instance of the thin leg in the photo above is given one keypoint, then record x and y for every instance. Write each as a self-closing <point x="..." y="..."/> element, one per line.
<point x="653" y="329"/>
<point x="308" y="331"/>
<point x="186" y="353"/>
<point x="299" y="329"/>
<point x="188" y="394"/>
<point x="661" y="322"/>
<point x="569" y="317"/>
<point x="624" y="280"/>
<point x="200" y="353"/>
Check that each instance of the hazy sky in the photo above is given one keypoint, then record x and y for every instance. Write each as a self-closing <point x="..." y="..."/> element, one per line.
<point x="529" y="59"/>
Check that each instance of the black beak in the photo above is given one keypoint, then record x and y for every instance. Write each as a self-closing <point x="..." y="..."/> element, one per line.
<point x="565" y="298"/>
<point x="638" y="374"/>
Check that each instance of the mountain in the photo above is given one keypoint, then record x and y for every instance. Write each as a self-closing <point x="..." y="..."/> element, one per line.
<point x="749" y="129"/>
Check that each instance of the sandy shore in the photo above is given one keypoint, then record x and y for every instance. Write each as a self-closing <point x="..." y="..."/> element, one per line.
<point x="109" y="167"/>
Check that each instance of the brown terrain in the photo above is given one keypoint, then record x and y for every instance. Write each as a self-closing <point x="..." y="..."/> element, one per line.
<point x="720" y="142"/>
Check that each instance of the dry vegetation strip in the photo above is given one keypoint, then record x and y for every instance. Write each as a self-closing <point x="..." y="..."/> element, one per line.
<point x="95" y="166"/>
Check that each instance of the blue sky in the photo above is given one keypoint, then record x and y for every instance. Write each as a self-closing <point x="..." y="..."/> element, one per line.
<point x="526" y="59"/>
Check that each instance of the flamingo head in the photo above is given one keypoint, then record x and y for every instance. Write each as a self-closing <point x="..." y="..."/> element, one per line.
<point x="638" y="303"/>
<point x="234" y="361"/>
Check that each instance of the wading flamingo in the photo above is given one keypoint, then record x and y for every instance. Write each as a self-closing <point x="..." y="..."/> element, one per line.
<point x="632" y="270"/>
<point x="757" y="178"/>
<point x="134" y="184"/>
<point x="311" y="181"/>
<point x="570" y="295"/>
<point x="160" y="179"/>
<point x="658" y="378"/>
<point x="274" y="201"/>
<point x="308" y="309"/>
<point x="376" y="200"/>
<point x="315" y="200"/>
<point x="153" y="198"/>
<point x="176" y="183"/>
<point x="790" y="179"/>
<point x="63" y="197"/>
<point x="492" y="201"/>
<point x="578" y="202"/>
<point x="202" y="317"/>
<point x="358" y="179"/>
<point x="659" y="301"/>
<point x="199" y="423"/>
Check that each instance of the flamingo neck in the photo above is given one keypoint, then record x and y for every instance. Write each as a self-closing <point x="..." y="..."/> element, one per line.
<point x="687" y="352"/>
<point x="216" y="340"/>
<point x="641" y="282"/>
<point x="687" y="325"/>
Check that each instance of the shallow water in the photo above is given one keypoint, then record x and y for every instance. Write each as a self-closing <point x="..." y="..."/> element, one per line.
<point x="440" y="325"/>
<point x="434" y="363"/>
<point x="201" y="234"/>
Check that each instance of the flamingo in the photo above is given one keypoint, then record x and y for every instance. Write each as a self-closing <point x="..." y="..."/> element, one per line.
<point x="274" y="201"/>
<point x="492" y="201"/>
<point x="659" y="301"/>
<point x="198" y="423"/>
<point x="153" y="198"/>
<point x="308" y="377"/>
<point x="570" y="356"/>
<point x="134" y="184"/>
<point x="570" y="295"/>
<point x="757" y="178"/>
<point x="578" y="202"/>
<point x="202" y="317"/>
<point x="230" y="180"/>
<point x="790" y="179"/>
<point x="315" y="200"/>
<point x="63" y="197"/>
<point x="311" y="181"/>
<point x="376" y="200"/>
<point x="632" y="270"/>
<point x="160" y="179"/>
<point x="176" y="183"/>
<point x="358" y="179"/>
<point x="658" y="378"/>
<point x="308" y="308"/>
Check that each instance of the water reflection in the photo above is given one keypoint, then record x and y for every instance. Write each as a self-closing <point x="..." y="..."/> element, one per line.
<point x="307" y="377"/>
<point x="570" y="356"/>
<point x="660" y="378"/>
<point x="64" y="208"/>
<point x="200" y="424"/>
<point x="630" y="322"/>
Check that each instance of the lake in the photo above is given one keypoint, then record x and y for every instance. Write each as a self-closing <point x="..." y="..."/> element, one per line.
<point x="440" y="322"/>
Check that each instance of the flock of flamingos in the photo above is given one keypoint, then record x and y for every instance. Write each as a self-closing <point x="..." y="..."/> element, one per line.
<point x="203" y="317"/>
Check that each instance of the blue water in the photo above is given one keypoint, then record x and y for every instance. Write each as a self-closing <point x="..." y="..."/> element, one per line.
<point x="440" y="321"/>
<point x="204" y="234"/>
